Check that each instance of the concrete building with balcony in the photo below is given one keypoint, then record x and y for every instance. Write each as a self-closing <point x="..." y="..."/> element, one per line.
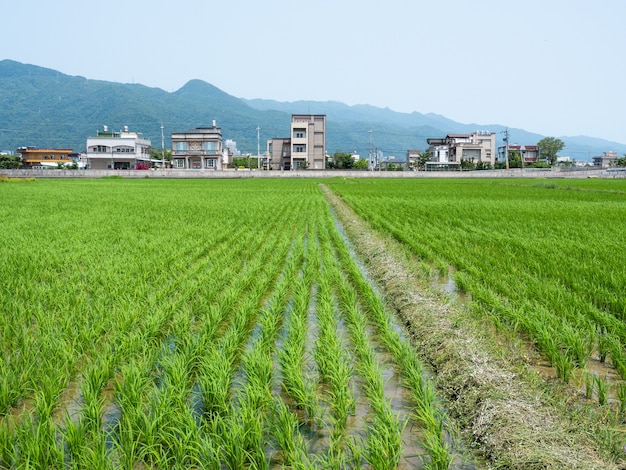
<point x="199" y="149"/>
<point x="304" y="148"/>
<point x="449" y="151"/>
<point x="606" y="160"/>
<point x="117" y="150"/>
<point x="528" y="153"/>
<point x="33" y="157"/>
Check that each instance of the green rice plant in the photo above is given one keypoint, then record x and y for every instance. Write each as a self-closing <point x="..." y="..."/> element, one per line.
<point x="440" y="457"/>
<point x="13" y="382"/>
<point x="618" y="358"/>
<point x="214" y="379"/>
<point x="589" y="380"/>
<point x="602" y="388"/>
<point x="564" y="367"/>
<point x="289" y="441"/>
<point x="621" y="395"/>
<point x="578" y="342"/>
<point x="127" y="442"/>
<point x="234" y="454"/>
<point x="38" y="445"/>
<point x="8" y="449"/>
<point x="426" y="411"/>
<point x="291" y="356"/>
<point x="604" y="347"/>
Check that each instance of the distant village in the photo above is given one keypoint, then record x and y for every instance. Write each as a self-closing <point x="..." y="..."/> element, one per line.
<point x="203" y="148"/>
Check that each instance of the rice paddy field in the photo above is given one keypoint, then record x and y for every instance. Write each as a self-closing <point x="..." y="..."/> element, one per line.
<point x="231" y="324"/>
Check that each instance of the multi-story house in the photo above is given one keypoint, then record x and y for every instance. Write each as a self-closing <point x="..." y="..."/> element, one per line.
<point x="528" y="153"/>
<point x="199" y="148"/>
<point x="33" y="157"/>
<point x="606" y="160"/>
<point x="117" y="150"/>
<point x="449" y="151"/>
<point x="304" y="148"/>
<point x="279" y="153"/>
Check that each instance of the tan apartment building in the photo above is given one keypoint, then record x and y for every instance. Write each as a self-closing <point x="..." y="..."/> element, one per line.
<point x="479" y="146"/>
<point x="304" y="148"/>
<point x="33" y="157"/>
<point x="118" y="150"/>
<point x="198" y="149"/>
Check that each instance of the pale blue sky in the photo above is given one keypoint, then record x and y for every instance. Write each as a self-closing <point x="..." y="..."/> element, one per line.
<point x="554" y="67"/>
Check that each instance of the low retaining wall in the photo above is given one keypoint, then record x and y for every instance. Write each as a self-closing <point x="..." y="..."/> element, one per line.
<point x="183" y="174"/>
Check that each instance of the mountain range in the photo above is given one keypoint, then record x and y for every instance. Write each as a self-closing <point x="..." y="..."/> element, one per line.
<point x="42" y="107"/>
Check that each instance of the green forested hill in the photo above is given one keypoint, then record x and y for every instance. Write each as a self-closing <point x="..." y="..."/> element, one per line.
<point x="45" y="108"/>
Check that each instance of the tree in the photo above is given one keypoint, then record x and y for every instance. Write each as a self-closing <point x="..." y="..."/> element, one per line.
<point x="341" y="161"/>
<point x="621" y="161"/>
<point x="157" y="154"/>
<point x="361" y="164"/>
<point x="10" y="162"/>
<point x="515" y="159"/>
<point x="420" y="162"/>
<point x="467" y="165"/>
<point x="549" y="147"/>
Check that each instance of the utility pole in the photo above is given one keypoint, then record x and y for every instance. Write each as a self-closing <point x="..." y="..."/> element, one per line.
<point x="506" y="150"/>
<point x="258" y="146"/>
<point x="162" y="148"/>
<point x="371" y="155"/>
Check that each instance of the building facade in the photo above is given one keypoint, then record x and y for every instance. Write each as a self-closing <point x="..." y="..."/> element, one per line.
<point x="33" y="157"/>
<point x="304" y="148"/>
<point x="528" y="153"/>
<point x="606" y="160"/>
<point x="115" y="150"/>
<point x="279" y="153"/>
<point x="449" y="151"/>
<point x="308" y="141"/>
<point x="199" y="149"/>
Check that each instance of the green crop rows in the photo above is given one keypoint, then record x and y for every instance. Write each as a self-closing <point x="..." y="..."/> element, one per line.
<point x="202" y="324"/>
<point x="543" y="259"/>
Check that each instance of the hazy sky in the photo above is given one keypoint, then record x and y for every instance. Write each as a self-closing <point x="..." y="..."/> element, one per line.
<point x="553" y="67"/>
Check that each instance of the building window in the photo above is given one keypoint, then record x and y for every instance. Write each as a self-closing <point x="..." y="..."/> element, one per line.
<point x="210" y="147"/>
<point x="210" y="163"/>
<point x="181" y="146"/>
<point x="299" y="133"/>
<point x="299" y="148"/>
<point x="179" y="163"/>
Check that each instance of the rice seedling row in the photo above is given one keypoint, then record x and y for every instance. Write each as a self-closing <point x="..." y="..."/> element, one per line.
<point x="225" y="329"/>
<point x="541" y="260"/>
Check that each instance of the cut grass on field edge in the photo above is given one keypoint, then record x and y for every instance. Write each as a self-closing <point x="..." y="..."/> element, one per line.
<point x="512" y="420"/>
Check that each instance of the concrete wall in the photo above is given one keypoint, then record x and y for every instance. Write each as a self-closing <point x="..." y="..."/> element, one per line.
<point x="173" y="173"/>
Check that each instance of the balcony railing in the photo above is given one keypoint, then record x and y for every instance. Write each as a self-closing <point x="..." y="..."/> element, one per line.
<point x="196" y="153"/>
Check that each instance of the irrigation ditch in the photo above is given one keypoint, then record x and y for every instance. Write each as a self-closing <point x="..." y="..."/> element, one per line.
<point x="507" y="414"/>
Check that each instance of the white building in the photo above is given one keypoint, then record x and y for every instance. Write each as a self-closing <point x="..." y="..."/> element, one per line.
<point x="121" y="150"/>
<point x="449" y="151"/>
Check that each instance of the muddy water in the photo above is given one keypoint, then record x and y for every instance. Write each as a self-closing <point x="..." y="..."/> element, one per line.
<point x="445" y="284"/>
